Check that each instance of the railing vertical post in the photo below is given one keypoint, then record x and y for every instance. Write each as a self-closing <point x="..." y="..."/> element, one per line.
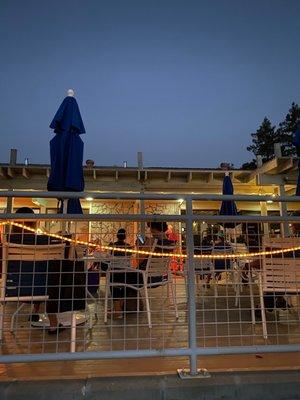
<point x="191" y="286"/>
<point x="283" y="212"/>
<point x="142" y="212"/>
<point x="264" y="213"/>
<point x="9" y="210"/>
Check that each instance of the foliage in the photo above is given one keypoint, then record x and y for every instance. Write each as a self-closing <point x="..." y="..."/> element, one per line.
<point x="267" y="135"/>
<point x="286" y="130"/>
<point x="263" y="140"/>
<point x="250" y="165"/>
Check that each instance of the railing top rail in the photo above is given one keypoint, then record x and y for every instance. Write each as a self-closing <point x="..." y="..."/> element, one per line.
<point x="149" y="217"/>
<point x="146" y="196"/>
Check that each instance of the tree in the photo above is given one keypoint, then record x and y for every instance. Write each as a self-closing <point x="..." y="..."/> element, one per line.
<point x="286" y="130"/>
<point x="263" y="141"/>
<point x="250" y="165"/>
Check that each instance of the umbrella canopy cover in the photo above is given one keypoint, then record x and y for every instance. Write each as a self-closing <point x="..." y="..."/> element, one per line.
<point x="66" y="148"/>
<point x="66" y="152"/>
<point x="228" y="207"/>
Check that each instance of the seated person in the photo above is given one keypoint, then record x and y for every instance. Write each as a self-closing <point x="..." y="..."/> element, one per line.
<point x="171" y="235"/>
<point x="33" y="279"/>
<point x="203" y="246"/>
<point x="121" y="242"/>
<point x="162" y="244"/>
<point x="20" y="275"/>
<point x="220" y="245"/>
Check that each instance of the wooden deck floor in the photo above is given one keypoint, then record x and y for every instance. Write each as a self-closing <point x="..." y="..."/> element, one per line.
<point x="142" y="367"/>
<point x="219" y="324"/>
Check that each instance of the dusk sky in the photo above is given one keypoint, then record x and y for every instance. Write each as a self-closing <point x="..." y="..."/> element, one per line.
<point x="185" y="82"/>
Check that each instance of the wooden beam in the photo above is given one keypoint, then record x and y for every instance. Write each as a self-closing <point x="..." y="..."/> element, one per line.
<point x="210" y="177"/>
<point x="240" y="176"/>
<point x="290" y="191"/>
<point x="189" y="177"/>
<point x="263" y="179"/>
<point x="295" y="164"/>
<point x="10" y="172"/>
<point x="25" y="173"/>
<point x="48" y="172"/>
<point x="285" y="165"/>
<point x="268" y="167"/>
<point x="168" y="177"/>
<point x="116" y="175"/>
<point x="2" y="174"/>
<point x="142" y="175"/>
<point x="94" y="174"/>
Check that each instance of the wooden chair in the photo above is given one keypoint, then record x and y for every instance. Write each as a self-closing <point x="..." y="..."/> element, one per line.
<point x="280" y="273"/>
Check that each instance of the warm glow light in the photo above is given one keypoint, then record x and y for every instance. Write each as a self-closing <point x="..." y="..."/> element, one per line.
<point x="89" y="198"/>
<point x="152" y="253"/>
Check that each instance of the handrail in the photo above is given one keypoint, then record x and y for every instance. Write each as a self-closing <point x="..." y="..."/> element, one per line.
<point x="146" y="196"/>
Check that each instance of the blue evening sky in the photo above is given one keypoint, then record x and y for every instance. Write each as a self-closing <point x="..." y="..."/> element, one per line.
<point x="185" y="82"/>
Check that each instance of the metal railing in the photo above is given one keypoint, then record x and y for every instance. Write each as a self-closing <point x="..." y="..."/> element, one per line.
<point x="215" y="288"/>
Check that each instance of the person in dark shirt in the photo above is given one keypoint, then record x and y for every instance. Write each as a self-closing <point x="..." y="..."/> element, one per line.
<point x="121" y="242"/>
<point x="162" y="244"/>
<point x="220" y="245"/>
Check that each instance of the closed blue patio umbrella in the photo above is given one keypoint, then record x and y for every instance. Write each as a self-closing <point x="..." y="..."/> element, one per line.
<point x="66" y="152"/>
<point x="228" y="207"/>
<point x="296" y="143"/>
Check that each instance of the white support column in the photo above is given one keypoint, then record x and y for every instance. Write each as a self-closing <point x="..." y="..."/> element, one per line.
<point x="10" y="200"/>
<point x="142" y="202"/>
<point x="284" y="227"/>
<point x="42" y="224"/>
<point x="264" y="213"/>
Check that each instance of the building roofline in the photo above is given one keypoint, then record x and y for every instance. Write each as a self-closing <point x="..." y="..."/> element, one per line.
<point x="130" y="168"/>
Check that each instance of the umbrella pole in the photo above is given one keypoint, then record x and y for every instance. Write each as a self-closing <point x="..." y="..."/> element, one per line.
<point x="64" y="224"/>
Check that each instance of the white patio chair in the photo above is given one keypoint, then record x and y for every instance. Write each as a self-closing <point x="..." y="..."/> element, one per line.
<point x="156" y="267"/>
<point x="34" y="253"/>
<point x="280" y="274"/>
<point x="237" y="268"/>
<point x="202" y="267"/>
<point x="21" y="252"/>
<point x="97" y="257"/>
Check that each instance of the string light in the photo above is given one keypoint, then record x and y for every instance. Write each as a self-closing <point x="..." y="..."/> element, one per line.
<point x="151" y="253"/>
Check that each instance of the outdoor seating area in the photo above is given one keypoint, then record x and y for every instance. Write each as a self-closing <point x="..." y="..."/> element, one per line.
<point x="136" y="298"/>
